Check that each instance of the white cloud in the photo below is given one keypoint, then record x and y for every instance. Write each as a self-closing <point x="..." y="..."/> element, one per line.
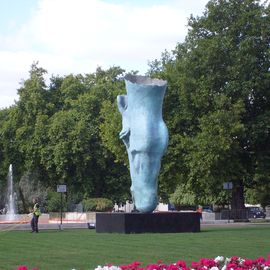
<point x="100" y="30"/>
<point x="76" y="36"/>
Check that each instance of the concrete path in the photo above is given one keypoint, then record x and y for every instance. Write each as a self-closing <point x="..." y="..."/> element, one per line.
<point x="56" y="226"/>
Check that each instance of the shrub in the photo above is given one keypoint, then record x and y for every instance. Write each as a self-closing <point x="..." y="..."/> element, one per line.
<point x="183" y="198"/>
<point x="54" y="202"/>
<point x="97" y="205"/>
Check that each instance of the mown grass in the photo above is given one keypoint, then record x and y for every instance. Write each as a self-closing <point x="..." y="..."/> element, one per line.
<point x="84" y="249"/>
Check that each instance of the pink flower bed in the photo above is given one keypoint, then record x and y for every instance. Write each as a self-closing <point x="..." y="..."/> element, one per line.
<point x="219" y="263"/>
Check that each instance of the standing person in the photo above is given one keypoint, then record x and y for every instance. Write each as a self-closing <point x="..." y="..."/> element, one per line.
<point x="36" y="213"/>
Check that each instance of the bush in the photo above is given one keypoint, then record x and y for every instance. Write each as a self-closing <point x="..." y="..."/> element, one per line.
<point x="183" y="198"/>
<point x="54" y="202"/>
<point x="89" y="205"/>
<point x="97" y="205"/>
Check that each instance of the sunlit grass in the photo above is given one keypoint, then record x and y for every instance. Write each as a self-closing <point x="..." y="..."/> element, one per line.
<point x="85" y="249"/>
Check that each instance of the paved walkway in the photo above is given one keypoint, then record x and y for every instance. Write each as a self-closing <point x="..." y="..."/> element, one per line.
<point x="48" y="226"/>
<point x="56" y="226"/>
<point x="235" y="224"/>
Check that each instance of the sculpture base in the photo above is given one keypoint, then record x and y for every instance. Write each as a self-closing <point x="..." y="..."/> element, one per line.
<point x="162" y="222"/>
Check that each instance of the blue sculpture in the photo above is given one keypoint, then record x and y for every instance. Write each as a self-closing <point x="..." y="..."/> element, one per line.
<point x="145" y="135"/>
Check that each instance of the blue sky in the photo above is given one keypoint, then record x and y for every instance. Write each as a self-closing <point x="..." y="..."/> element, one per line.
<point x="77" y="36"/>
<point x="14" y="13"/>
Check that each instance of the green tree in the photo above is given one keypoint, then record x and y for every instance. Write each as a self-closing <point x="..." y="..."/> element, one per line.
<point x="74" y="153"/>
<point x="218" y="95"/>
<point x="31" y="116"/>
<point x="112" y="178"/>
<point x="53" y="135"/>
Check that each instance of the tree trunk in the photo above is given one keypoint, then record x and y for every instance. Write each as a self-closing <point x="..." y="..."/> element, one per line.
<point x="238" y="202"/>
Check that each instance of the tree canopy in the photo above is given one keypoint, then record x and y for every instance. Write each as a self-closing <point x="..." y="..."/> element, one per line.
<point x="219" y="80"/>
<point x="52" y="134"/>
<point x="217" y="109"/>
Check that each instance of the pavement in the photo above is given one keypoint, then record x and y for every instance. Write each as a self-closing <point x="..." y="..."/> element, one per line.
<point x="80" y="225"/>
<point x="48" y="226"/>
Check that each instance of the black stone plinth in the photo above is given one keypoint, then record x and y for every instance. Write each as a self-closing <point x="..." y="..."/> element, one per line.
<point x="161" y="222"/>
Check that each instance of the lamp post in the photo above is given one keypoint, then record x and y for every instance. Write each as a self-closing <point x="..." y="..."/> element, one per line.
<point x="61" y="189"/>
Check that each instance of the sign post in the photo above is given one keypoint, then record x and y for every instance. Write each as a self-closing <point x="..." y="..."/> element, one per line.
<point x="61" y="189"/>
<point x="228" y="186"/>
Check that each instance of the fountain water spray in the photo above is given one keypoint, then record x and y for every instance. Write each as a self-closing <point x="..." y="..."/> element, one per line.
<point x="11" y="196"/>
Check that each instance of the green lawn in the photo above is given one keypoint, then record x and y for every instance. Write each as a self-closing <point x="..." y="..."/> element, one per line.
<point x="84" y="249"/>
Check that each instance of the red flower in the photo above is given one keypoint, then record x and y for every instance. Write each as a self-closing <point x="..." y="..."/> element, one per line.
<point x="173" y="267"/>
<point x="234" y="259"/>
<point x="181" y="264"/>
<point x="131" y="266"/>
<point x="247" y="263"/>
<point x="231" y="266"/>
<point x="208" y="262"/>
<point x="164" y="266"/>
<point x="136" y="263"/>
<point x="152" y="267"/>
<point x="260" y="260"/>
<point x="22" y="267"/>
<point x="195" y="265"/>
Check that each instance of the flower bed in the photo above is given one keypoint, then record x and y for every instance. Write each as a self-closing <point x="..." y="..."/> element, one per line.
<point x="219" y="263"/>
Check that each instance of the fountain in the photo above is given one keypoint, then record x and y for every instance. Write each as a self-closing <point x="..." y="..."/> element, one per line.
<point x="11" y="220"/>
<point x="11" y="215"/>
<point x="11" y="197"/>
